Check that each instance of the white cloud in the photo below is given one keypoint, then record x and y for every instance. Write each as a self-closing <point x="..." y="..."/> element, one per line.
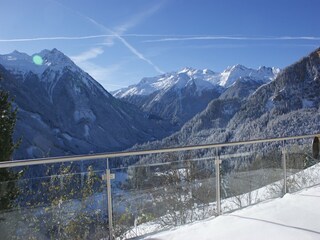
<point x="85" y="56"/>
<point x="103" y="74"/>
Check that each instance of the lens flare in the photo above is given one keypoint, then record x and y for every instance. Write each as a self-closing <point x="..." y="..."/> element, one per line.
<point x="37" y="60"/>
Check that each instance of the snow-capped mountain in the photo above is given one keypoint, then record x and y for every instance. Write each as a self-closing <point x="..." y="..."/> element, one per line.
<point x="231" y="74"/>
<point x="21" y="63"/>
<point x="203" y="79"/>
<point x="175" y="96"/>
<point x="288" y="105"/>
<point x="63" y="110"/>
<point x="53" y="66"/>
<point x="178" y="96"/>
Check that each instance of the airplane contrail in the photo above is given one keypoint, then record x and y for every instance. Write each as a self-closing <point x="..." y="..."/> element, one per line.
<point x="116" y="34"/>
<point x="165" y="38"/>
<point x="139" y="55"/>
<point x="195" y="38"/>
<point x="127" y="44"/>
<point x="55" y="38"/>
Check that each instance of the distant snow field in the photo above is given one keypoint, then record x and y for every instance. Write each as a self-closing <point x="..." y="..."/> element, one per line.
<point x="295" y="216"/>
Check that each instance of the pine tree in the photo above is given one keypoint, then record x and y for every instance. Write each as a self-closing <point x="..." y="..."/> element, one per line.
<point x="7" y="123"/>
<point x="7" y="146"/>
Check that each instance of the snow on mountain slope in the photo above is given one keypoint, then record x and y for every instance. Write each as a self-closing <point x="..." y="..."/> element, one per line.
<point x="231" y="74"/>
<point x="63" y="110"/>
<point x="54" y="65"/>
<point x="178" y="80"/>
<point x="203" y="79"/>
<point x="289" y="105"/>
<point x="20" y="63"/>
<point x="178" y="96"/>
<point x="175" y="96"/>
<point x="286" y="106"/>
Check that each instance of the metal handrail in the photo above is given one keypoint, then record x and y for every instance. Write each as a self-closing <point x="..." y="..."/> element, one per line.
<point x="38" y="161"/>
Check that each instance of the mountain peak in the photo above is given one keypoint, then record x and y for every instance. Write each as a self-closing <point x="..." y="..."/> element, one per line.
<point x="235" y="67"/>
<point x="24" y="56"/>
<point x="186" y="69"/>
<point x="233" y="73"/>
<point x="208" y="71"/>
<point x="52" y="51"/>
<point x="17" y="55"/>
<point x="22" y="63"/>
<point x="55" y="50"/>
<point x="315" y="54"/>
<point x="239" y="66"/>
<point x="203" y="79"/>
<point x="55" y="57"/>
<point x="197" y="73"/>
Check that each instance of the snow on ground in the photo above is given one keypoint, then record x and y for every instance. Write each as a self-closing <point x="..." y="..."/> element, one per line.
<point x="296" y="181"/>
<point x="295" y="216"/>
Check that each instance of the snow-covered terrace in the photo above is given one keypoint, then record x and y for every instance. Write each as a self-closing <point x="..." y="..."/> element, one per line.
<point x="293" y="217"/>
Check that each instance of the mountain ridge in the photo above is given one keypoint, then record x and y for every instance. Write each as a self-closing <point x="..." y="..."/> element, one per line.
<point x="288" y="105"/>
<point x="179" y="96"/>
<point x="224" y="79"/>
<point x="63" y="110"/>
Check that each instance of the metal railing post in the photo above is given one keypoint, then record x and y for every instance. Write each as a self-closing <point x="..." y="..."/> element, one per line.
<point x="108" y="177"/>
<point x="218" y="196"/>
<point x="284" y="164"/>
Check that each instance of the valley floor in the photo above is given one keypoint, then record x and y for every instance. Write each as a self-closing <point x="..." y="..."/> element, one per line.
<point x="293" y="217"/>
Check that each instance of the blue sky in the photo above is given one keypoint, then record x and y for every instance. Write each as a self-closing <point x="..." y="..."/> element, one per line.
<point x="120" y="41"/>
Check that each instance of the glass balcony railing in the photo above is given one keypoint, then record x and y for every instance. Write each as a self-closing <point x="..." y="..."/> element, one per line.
<point x="130" y="194"/>
<point x="53" y="201"/>
<point x="162" y="190"/>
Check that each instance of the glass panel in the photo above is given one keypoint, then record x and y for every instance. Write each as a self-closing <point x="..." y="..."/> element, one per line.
<point x="250" y="174"/>
<point x="60" y="201"/>
<point x="302" y="165"/>
<point x="159" y="191"/>
<point x="149" y="193"/>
